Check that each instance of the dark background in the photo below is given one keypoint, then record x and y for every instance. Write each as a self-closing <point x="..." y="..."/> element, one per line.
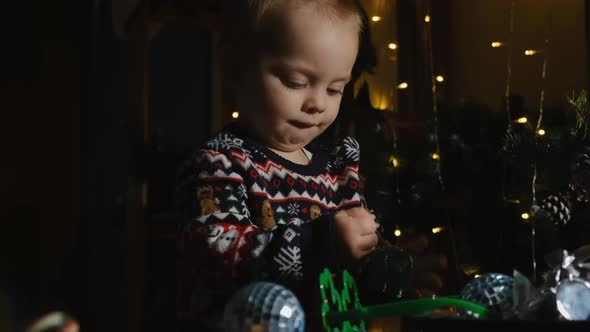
<point x="67" y="158"/>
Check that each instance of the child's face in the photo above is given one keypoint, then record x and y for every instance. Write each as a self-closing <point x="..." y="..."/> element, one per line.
<point x="290" y="96"/>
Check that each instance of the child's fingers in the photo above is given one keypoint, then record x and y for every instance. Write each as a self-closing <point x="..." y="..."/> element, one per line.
<point x="359" y="212"/>
<point x="367" y="227"/>
<point x="368" y="242"/>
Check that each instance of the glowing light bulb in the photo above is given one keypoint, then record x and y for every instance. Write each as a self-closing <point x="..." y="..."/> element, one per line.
<point x="436" y="230"/>
<point x="394" y="162"/>
<point x="439" y="78"/>
<point x="477" y="276"/>
<point x="397" y="233"/>
<point x="392" y="46"/>
<point x="530" y="52"/>
<point x="376" y="18"/>
<point x="403" y="85"/>
<point x="541" y="132"/>
<point x="497" y="44"/>
<point x="435" y="156"/>
<point x="427" y="18"/>
<point x="235" y="115"/>
<point x="525" y="216"/>
<point x="522" y="120"/>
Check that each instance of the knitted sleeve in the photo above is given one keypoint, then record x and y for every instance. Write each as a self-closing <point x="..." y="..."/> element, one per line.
<point x="218" y="243"/>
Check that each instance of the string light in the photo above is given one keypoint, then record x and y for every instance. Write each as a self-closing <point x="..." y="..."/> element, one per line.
<point x="397" y="233"/>
<point x="522" y="120"/>
<point x="497" y="44"/>
<point x="440" y="79"/>
<point x="403" y="85"/>
<point x="435" y="156"/>
<point x="394" y="162"/>
<point x="477" y="276"/>
<point x="376" y="18"/>
<point x="530" y="52"/>
<point x="427" y="18"/>
<point x="541" y="132"/>
<point x="525" y="216"/>
<point x="436" y="230"/>
<point x="235" y="115"/>
<point x="392" y="46"/>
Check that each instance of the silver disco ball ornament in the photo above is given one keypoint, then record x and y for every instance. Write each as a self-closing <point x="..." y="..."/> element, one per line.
<point x="573" y="299"/>
<point x="492" y="290"/>
<point x="264" y="306"/>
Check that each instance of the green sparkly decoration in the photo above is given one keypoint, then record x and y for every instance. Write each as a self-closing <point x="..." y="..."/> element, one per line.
<point x="341" y="300"/>
<point x="343" y="312"/>
<point x="582" y="108"/>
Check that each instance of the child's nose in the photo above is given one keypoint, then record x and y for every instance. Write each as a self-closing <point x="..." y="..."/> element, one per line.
<point x="315" y="102"/>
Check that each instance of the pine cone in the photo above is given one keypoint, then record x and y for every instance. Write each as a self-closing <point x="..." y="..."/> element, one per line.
<point x="580" y="168"/>
<point x="558" y="208"/>
<point x="577" y="194"/>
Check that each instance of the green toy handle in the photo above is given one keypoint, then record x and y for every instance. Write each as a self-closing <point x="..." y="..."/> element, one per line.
<point x="418" y="307"/>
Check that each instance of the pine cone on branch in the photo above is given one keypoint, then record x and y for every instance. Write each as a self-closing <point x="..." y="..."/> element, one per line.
<point x="558" y="208"/>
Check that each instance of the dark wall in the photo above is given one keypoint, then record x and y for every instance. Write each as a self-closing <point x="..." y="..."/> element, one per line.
<point x="65" y="155"/>
<point x="178" y="121"/>
<point x="42" y="237"/>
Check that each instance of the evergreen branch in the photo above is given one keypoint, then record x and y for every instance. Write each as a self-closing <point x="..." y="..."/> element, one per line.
<point x="581" y="106"/>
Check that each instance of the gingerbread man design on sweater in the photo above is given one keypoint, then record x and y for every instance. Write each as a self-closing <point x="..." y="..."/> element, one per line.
<point x="314" y="212"/>
<point x="266" y="220"/>
<point x="207" y="201"/>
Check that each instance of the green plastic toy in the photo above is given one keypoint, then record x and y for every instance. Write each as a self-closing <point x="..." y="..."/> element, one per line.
<point x="343" y="312"/>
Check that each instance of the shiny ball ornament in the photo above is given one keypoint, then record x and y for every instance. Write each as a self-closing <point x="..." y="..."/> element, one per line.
<point x="573" y="299"/>
<point x="492" y="290"/>
<point x="56" y="321"/>
<point x="264" y="306"/>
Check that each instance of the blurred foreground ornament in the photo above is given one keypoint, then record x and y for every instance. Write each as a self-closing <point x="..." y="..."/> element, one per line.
<point x="264" y="306"/>
<point x="56" y="321"/>
<point x="492" y="290"/>
<point x="569" y="281"/>
<point x="573" y="299"/>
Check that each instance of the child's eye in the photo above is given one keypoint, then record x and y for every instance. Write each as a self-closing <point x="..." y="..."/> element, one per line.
<point x="333" y="92"/>
<point x="293" y="84"/>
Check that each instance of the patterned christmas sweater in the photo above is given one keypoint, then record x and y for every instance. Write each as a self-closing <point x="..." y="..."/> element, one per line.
<point x="249" y="214"/>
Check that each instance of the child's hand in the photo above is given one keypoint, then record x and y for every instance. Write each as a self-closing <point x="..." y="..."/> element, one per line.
<point x="428" y="266"/>
<point x="357" y="231"/>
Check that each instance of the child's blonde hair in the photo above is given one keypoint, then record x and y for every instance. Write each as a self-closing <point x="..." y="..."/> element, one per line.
<point x="331" y="9"/>
<point x="247" y="21"/>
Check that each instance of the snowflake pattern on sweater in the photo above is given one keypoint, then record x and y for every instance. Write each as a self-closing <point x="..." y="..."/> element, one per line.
<point x="246" y="209"/>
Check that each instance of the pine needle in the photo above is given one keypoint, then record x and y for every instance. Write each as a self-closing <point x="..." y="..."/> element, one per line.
<point x="581" y="106"/>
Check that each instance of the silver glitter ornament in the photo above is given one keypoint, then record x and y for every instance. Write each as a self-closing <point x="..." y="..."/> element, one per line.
<point x="264" y="306"/>
<point x="492" y="290"/>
